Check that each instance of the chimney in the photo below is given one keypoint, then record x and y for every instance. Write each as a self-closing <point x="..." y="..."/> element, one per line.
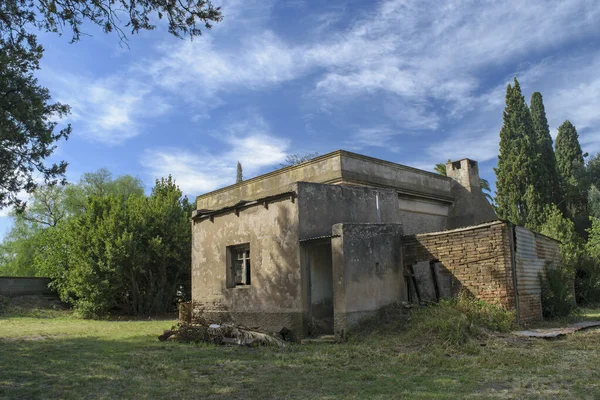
<point x="466" y="173"/>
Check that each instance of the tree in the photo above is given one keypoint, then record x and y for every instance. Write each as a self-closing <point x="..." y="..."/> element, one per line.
<point x="129" y="254"/>
<point x="27" y="114"/>
<point x="240" y="177"/>
<point x="547" y="182"/>
<point x="49" y="208"/>
<point x="516" y="162"/>
<point x="592" y="167"/>
<point x="573" y="177"/>
<point x="295" y="159"/>
<point x="184" y="17"/>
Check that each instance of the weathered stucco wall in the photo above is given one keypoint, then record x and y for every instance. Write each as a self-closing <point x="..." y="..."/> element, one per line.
<point x="470" y="205"/>
<point x="370" y="171"/>
<point x="338" y="167"/>
<point x="479" y="258"/>
<point x="273" y="300"/>
<point x="323" y="169"/>
<point x="321" y="206"/>
<point x="367" y="271"/>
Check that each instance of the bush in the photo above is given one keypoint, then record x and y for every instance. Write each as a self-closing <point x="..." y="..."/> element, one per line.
<point x="587" y="283"/>
<point x="457" y="321"/>
<point x="557" y="292"/>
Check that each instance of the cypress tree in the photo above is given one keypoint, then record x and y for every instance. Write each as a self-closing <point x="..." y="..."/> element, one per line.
<point x="516" y="162"/>
<point x="240" y="177"/>
<point x="547" y="175"/>
<point x="572" y="174"/>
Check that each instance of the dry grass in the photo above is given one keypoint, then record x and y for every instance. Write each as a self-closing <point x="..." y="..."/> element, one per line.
<point x="63" y="357"/>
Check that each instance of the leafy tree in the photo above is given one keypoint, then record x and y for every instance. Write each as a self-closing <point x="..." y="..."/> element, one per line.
<point x="18" y="250"/>
<point x="516" y="162"/>
<point x="27" y="114"/>
<point x="547" y="182"/>
<point x="573" y="176"/>
<point x="592" y="167"/>
<point x="594" y="202"/>
<point x="562" y="229"/>
<point x="239" y="177"/>
<point x="130" y="254"/>
<point x="50" y="207"/>
<point x="295" y="159"/>
<point x="483" y="183"/>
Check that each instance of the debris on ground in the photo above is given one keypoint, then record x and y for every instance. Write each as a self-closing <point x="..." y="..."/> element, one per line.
<point x="550" y="333"/>
<point x="221" y="334"/>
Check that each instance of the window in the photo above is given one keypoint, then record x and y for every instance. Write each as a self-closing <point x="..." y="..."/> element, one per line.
<point x="238" y="258"/>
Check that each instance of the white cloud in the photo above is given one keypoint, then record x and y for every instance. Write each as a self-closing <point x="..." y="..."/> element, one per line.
<point x="111" y="110"/>
<point x="200" y="171"/>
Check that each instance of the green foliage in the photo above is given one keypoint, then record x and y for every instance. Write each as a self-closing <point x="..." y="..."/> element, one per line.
<point x="516" y="170"/>
<point x="592" y="167"/>
<point x="49" y="207"/>
<point x="572" y="173"/>
<point x="562" y="229"/>
<point x="594" y="201"/>
<point x="18" y="250"/>
<point x="587" y="282"/>
<point x="557" y="292"/>
<point x="457" y="321"/>
<point x="239" y="176"/>
<point x="130" y="255"/>
<point x="547" y="175"/>
<point x="26" y="112"/>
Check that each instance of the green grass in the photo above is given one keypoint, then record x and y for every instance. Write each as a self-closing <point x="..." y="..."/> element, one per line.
<point x="52" y="355"/>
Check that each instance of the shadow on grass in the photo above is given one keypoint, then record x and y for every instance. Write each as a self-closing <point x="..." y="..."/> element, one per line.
<point x="140" y="367"/>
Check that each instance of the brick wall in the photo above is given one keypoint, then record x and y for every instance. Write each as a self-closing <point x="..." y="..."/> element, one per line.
<point x="478" y="257"/>
<point x="530" y="308"/>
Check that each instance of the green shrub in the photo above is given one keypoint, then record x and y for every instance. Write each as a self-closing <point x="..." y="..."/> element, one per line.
<point x="557" y="292"/>
<point x="587" y="283"/>
<point x="457" y="321"/>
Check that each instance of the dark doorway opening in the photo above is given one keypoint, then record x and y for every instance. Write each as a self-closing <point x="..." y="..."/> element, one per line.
<point x="319" y="263"/>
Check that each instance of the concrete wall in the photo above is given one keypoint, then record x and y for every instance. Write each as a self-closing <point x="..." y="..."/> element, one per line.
<point x="20" y="286"/>
<point x="479" y="258"/>
<point x="370" y="171"/>
<point x="274" y="299"/>
<point x="367" y="271"/>
<point x="338" y="167"/>
<point x="321" y="206"/>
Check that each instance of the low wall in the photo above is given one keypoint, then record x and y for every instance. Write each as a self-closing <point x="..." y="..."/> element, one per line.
<point x="478" y="257"/>
<point x="22" y="286"/>
<point x="367" y="271"/>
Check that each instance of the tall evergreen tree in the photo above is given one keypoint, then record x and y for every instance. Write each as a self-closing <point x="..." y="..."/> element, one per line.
<point x="516" y="162"/>
<point x="572" y="173"/>
<point x="547" y="176"/>
<point x="240" y="177"/>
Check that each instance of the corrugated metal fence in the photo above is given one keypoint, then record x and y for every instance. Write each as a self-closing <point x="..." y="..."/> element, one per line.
<point x="533" y="251"/>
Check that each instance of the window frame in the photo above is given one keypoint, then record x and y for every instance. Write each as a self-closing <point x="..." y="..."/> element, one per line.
<point x="233" y="257"/>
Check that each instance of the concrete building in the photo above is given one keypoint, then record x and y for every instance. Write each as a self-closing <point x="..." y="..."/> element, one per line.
<point x="318" y="246"/>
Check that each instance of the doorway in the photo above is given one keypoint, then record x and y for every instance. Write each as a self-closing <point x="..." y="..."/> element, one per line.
<point x="318" y="257"/>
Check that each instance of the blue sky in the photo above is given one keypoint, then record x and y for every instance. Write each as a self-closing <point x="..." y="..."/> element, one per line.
<point x="410" y="81"/>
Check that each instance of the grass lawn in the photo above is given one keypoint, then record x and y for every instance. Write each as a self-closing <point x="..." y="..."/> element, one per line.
<point x="52" y="355"/>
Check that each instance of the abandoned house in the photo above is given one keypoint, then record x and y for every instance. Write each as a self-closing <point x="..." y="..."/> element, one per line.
<point x="319" y="246"/>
